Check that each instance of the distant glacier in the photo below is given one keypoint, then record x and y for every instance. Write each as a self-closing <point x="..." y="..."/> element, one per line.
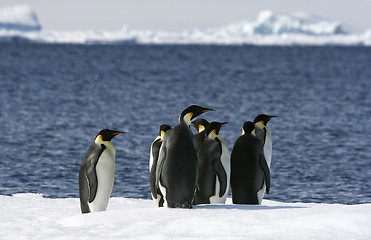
<point x="269" y="28"/>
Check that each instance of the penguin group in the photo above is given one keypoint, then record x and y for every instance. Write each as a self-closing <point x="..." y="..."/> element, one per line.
<point x="187" y="169"/>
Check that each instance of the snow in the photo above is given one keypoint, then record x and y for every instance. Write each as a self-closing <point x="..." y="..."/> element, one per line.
<point x="269" y="28"/>
<point x="19" y="18"/>
<point x="30" y="216"/>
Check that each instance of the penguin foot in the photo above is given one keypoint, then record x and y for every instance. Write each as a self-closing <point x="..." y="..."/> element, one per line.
<point x="183" y="205"/>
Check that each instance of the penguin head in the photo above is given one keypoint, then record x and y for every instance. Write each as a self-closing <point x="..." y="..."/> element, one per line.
<point x="191" y="112"/>
<point x="263" y="118"/>
<point x="200" y="124"/>
<point x="163" y="129"/>
<point x="108" y="134"/>
<point x="212" y="130"/>
<point x="248" y="127"/>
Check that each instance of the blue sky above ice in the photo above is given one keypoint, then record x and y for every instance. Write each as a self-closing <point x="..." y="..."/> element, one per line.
<point x="178" y="15"/>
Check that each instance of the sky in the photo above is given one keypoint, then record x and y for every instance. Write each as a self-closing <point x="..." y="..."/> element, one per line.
<point x="178" y="15"/>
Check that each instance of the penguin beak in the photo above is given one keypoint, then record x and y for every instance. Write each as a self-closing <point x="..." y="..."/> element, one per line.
<point x="270" y="117"/>
<point x="207" y="109"/>
<point x="117" y="133"/>
<point x="223" y="123"/>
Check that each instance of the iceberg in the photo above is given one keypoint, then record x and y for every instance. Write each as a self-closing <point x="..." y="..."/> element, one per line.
<point x="30" y="216"/>
<point x="269" y="28"/>
<point x="19" y="18"/>
<point x="269" y="23"/>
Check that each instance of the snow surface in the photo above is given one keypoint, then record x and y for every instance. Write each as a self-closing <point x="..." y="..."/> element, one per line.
<point x="269" y="28"/>
<point x="19" y="18"/>
<point x="30" y="216"/>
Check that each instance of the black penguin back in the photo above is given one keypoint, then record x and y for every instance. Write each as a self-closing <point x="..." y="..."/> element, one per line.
<point x="179" y="168"/>
<point x="247" y="177"/>
<point x="199" y="139"/>
<point x="208" y="156"/>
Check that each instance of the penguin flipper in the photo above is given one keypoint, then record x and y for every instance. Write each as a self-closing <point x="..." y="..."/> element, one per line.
<point x="84" y="192"/>
<point x="222" y="176"/>
<point x="160" y="164"/>
<point x="92" y="157"/>
<point x="219" y="170"/>
<point x="260" y="133"/>
<point x="264" y="166"/>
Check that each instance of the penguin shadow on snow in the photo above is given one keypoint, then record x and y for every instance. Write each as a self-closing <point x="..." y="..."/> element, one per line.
<point x="243" y="207"/>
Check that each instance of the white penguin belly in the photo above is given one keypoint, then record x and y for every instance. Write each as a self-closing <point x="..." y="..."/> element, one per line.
<point x="105" y="170"/>
<point x="268" y="149"/>
<point x="150" y="167"/>
<point x="150" y="158"/>
<point x="268" y="153"/>
<point x="268" y="157"/>
<point x="225" y="158"/>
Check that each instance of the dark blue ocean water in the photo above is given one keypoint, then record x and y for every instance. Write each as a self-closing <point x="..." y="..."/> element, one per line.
<point x="55" y="98"/>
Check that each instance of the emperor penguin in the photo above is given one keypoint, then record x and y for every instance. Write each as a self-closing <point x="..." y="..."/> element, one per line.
<point x="176" y="172"/>
<point x="154" y="152"/>
<point x="250" y="175"/>
<point x="262" y="132"/>
<point x="97" y="173"/>
<point x="200" y="125"/>
<point x="213" y="167"/>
